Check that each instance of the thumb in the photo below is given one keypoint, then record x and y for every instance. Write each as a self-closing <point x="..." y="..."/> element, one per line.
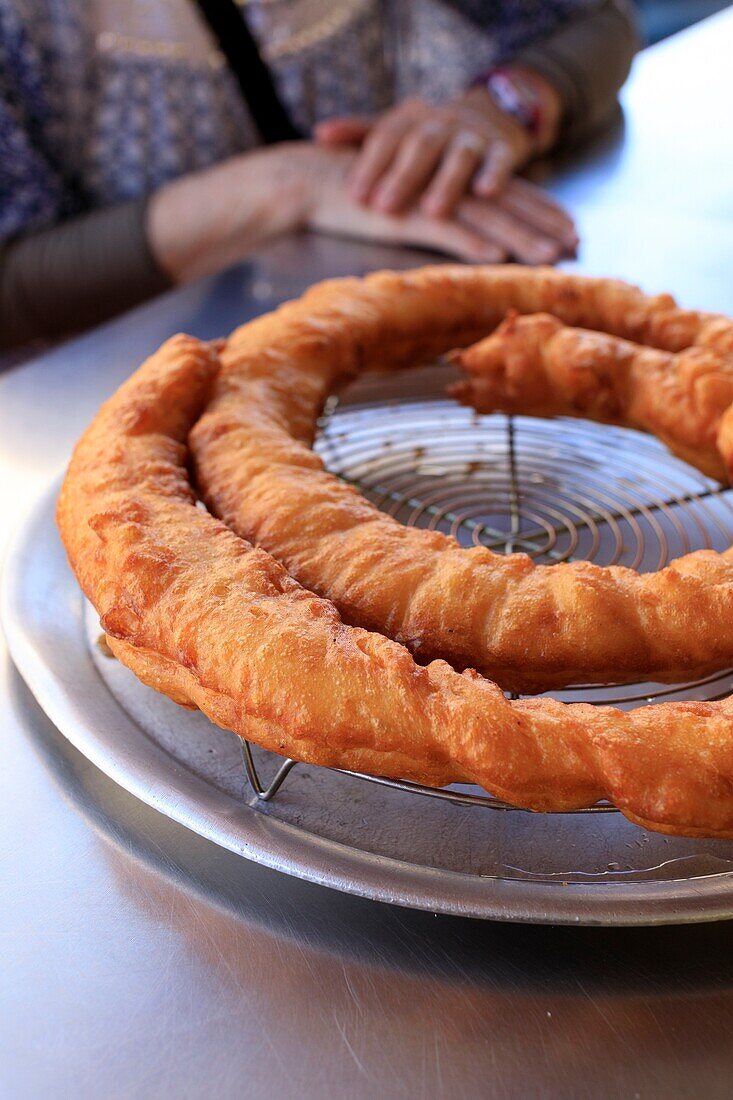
<point x="350" y="130"/>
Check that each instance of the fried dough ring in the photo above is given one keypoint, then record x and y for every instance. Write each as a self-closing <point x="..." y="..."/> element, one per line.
<point x="528" y="627"/>
<point x="537" y="366"/>
<point x="199" y="614"/>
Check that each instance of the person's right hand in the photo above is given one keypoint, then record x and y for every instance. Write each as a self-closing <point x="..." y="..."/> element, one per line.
<point x="201" y="223"/>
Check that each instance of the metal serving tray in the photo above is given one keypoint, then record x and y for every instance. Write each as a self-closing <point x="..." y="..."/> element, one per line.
<point x="555" y="489"/>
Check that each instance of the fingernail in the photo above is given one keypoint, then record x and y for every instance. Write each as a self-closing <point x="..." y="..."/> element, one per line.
<point x="546" y="253"/>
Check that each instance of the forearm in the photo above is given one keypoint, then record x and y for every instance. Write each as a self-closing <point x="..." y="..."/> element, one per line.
<point x="201" y="223"/>
<point x="76" y="274"/>
<point x="587" y="60"/>
<point x="85" y="270"/>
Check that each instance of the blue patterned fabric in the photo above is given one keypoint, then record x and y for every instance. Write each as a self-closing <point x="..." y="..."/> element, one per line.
<point x="516" y="23"/>
<point x="32" y="188"/>
<point x="81" y="128"/>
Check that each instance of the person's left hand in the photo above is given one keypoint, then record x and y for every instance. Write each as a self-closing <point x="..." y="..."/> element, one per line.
<point x="521" y="223"/>
<point x="417" y="152"/>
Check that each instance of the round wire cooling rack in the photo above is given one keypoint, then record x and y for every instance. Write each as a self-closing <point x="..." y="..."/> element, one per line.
<point x="558" y="490"/>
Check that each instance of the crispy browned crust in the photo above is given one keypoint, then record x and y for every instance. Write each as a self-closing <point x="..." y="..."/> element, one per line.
<point x="528" y="627"/>
<point x="537" y="366"/>
<point x="202" y="616"/>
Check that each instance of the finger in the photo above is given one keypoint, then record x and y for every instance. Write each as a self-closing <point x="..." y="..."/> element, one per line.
<point x="343" y="131"/>
<point x="531" y="205"/>
<point x="526" y="187"/>
<point x="344" y="218"/>
<point x="495" y="171"/>
<point x="418" y="154"/>
<point x="448" y="236"/>
<point x="519" y="239"/>
<point x="377" y="154"/>
<point x="454" y="175"/>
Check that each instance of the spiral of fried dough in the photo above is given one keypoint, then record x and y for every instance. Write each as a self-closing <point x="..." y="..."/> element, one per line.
<point x="528" y="627"/>
<point x="199" y="614"/>
<point x="537" y="366"/>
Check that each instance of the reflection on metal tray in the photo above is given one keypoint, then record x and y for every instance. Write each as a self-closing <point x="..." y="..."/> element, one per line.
<point x="554" y="489"/>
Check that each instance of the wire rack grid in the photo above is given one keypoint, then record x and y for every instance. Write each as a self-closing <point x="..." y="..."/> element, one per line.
<point x="558" y="490"/>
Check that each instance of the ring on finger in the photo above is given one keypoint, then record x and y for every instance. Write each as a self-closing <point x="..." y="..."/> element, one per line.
<point x="468" y="141"/>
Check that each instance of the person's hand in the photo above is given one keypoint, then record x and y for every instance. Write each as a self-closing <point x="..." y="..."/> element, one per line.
<point x="201" y="223"/>
<point x="436" y="155"/>
<point x="521" y="223"/>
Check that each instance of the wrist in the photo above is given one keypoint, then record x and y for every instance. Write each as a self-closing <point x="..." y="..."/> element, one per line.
<point x="528" y="99"/>
<point x="551" y="109"/>
<point x="203" y="222"/>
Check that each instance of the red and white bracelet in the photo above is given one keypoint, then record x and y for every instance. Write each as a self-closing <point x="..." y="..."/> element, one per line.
<point x="518" y="96"/>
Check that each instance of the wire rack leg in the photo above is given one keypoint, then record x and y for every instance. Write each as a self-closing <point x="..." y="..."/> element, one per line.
<point x="264" y="794"/>
<point x="513" y="488"/>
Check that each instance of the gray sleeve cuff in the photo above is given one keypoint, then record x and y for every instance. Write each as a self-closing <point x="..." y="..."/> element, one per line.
<point x="76" y="274"/>
<point x="587" y="61"/>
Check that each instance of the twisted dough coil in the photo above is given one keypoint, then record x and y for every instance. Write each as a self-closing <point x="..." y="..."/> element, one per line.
<point x="528" y="627"/>
<point x="199" y="614"/>
<point x="537" y="366"/>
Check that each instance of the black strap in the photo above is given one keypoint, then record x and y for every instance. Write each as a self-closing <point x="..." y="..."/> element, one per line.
<point x="229" y="27"/>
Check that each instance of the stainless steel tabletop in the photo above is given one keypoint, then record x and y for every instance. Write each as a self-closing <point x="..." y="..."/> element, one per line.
<point x="139" y="960"/>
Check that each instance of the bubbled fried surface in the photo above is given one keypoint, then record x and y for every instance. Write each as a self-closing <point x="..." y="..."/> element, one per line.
<point x="529" y="627"/>
<point x="199" y="614"/>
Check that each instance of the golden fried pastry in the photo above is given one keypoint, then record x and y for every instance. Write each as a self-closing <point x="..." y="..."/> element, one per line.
<point x="199" y="614"/>
<point x="537" y="366"/>
<point x="528" y="627"/>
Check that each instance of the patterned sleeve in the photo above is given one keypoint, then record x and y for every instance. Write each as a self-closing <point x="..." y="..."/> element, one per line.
<point x="519" y="23"/>
<point x="32" y="192"/>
